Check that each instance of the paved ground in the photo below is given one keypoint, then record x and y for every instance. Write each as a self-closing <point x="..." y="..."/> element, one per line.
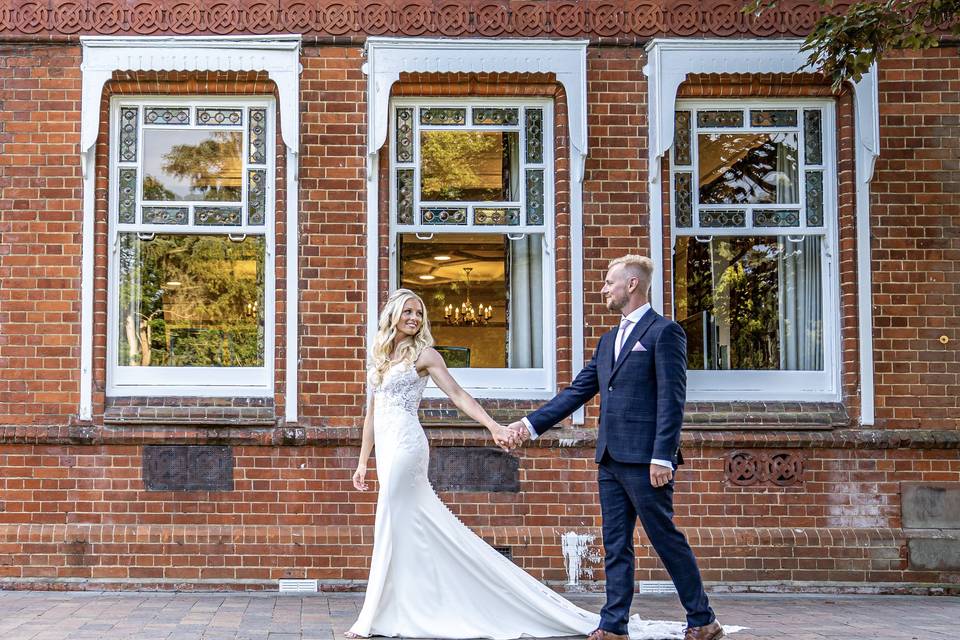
<point x="26" y="615"/>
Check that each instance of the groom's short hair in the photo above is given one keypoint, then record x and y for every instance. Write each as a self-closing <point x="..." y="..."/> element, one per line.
<point x="639" y="266"/>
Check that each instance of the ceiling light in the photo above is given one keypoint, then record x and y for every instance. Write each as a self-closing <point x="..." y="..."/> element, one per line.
<point x="427" y="277"/>
<point x="441" y="258"/>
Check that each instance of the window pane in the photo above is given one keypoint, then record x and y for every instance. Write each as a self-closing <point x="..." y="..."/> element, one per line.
<point x="750" y="302"/>
<point x="500" y="280"/>
<point x="191" y="301"/>
<point x="469" y="166"/>
<point x="192" y="165"/>
<point x="748" y="168"/>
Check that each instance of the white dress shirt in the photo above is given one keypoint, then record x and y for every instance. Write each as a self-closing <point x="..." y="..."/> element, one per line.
<point x="622" y="332"/>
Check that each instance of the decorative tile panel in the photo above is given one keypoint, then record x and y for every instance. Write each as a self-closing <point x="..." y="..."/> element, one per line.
<point x="683" y="194"/>
<point x="257" y="135"/>
<point x="722" y="218"/>
<point x="776" y="218"/>
<point x="443" y="215"/>
<point x="127" y="202"/>
<point x="219" y="216"/>
<point x="165" y="215"/>
<point x="812" y="136"/>
<point x="496" y="216"/>
<point x="443" y="116"/>
<point x="404" y="196"/>
<point x="533" y="126"/>
<point x="763" y="468"/>
<point x="681" y="138"/>
<point x="404" y="135"/>
<point x="128" y="134"/>
<point x="256" y="196"/>
<point x="219" y="117"/>
<point x="495" y="116"/>
<point x="773" y="118"/>
<point x="814" y="194"/>
<point x="166" y="115"/>
<point x="534" y="196"/>
<point x="719" y="118"/>
<point x="188" y="468"/>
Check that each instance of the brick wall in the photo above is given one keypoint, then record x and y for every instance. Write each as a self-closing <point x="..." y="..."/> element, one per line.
<point x="916" y="246"/>
<point x="72" y="501"/>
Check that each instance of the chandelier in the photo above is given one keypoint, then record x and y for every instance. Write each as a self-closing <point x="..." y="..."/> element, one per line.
<point x="465" y="314"/>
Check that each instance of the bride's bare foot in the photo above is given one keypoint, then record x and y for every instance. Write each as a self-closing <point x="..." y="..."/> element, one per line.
<point x="351" y="634"/>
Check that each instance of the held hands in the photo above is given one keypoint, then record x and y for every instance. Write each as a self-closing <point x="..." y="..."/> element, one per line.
<point x="359" y="481"/>
<point x="509" y="438"/>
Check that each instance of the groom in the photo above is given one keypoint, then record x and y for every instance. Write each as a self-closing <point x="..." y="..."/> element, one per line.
<point x="639" y="370"/>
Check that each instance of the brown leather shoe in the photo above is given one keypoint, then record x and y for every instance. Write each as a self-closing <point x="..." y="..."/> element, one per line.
<point x="712" y="631"/>
<point x="603" y="634"/>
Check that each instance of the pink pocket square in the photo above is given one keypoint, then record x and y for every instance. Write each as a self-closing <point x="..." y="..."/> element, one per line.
<point x="638" y="347"/>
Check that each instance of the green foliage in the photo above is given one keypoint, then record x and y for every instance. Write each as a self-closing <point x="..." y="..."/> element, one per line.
<point x="153" y="189"/>
<point x="452" y="164"/>
<point x="213" y="166"/>
<point x="844" y="46"/>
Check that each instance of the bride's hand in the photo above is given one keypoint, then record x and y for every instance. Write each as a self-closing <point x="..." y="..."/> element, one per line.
<point x="358" y="478"/>
<point x="503" y="437"/>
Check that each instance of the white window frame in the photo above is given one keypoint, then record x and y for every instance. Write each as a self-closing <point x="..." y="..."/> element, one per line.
<point x="501" y="383"/>
<point x="813" y="386"/>
<point x="192" y="381"/>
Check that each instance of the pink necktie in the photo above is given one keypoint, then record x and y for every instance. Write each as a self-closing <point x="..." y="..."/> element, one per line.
<point x="624" y="332"/>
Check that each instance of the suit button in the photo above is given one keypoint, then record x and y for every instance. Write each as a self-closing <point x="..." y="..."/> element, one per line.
<point x="610" y="388"/>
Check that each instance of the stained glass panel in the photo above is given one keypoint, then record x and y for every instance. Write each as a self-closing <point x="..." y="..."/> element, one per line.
<point x="773" y="117"/>
<point x="814" y="193"/>
<point x="442" y="116"/>
<point x="225" y="216"/>
<point x="719" y="118"/>
<point x="722" y="218"/>
<point x="533" y="125"/>
<point x="405" y="135"/>
<point x="495" y="116"/>
<point x="683" y="193"/>
<point x="256" y="196"/>
<point x="443" y="215"/>
<point x="776" y="218"/>
<point x="257" y="136"/>
<point x="127" y="203"/>
<point x="496" y="216"/>
<point x="166" y="115"/>
<point x="681" y="137"/>
<point x="405" y="196"/>
<point x="165" y="215"/>
<point x="128" y="134"/>
<point x="534" y="196"/>
<point x="219" y="117"/>
<point x="813" y="136"/>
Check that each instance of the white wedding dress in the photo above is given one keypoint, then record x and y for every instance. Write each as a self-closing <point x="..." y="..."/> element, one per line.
<point x="431" y="577"/>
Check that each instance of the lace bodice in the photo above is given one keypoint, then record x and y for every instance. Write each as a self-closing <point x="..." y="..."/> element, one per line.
<point x="401" y="388"/>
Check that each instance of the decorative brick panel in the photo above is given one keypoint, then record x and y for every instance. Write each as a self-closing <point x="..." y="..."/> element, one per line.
<point x="760" y="468"/>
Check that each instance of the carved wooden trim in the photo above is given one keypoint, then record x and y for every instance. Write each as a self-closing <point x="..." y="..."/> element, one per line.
<point x="626" y="20"/>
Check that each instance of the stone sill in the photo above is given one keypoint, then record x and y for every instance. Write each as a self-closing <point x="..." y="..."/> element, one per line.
<point x="191" y="416"/>
<point x="560" y="438"/>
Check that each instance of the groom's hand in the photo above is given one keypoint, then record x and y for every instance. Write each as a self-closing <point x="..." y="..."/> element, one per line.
<point x="521" y="433"/>
<point x="660" y="475"/>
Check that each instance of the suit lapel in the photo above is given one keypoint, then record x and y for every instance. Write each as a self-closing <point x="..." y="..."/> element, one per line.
<point x="635" y="334"/>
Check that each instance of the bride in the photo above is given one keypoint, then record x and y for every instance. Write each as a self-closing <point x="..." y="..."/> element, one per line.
<point x="430" y="576"/>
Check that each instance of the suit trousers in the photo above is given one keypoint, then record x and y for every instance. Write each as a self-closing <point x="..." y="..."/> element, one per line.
<point x="625" y="495"/>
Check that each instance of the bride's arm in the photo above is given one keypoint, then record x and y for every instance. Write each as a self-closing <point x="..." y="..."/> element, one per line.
<point x="431" y="361"/>
<point x="366" y="446"/>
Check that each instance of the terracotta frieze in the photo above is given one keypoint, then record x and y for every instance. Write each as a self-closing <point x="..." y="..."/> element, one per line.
<point x="625" y="21"/>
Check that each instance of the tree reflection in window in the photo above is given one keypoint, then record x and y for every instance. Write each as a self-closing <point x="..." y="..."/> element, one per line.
<point x="469" y="166"/>
<point x="191" y="301"/>
<point x="192" y="165"/>
<point x="748" y="168"/>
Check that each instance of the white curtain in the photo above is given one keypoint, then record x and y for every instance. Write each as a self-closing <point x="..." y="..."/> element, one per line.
<point x="801" y="305"/>
<point x="525" y="306"/>
<point x="787" y="177"/>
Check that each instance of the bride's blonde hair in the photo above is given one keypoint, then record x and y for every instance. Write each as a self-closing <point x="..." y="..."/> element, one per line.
<point x="409" y="348"/>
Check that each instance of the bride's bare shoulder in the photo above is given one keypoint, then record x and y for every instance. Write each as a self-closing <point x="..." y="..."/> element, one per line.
<point x="428" y="359"/>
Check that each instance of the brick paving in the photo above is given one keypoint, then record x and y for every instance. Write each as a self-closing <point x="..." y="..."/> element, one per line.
<point x="32" y="615"/>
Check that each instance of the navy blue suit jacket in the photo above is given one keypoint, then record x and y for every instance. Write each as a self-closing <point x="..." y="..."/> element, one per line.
<point x="642" y="394"/>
